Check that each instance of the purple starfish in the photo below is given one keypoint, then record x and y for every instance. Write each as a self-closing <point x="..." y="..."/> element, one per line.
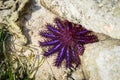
<point x="68" y="40"/>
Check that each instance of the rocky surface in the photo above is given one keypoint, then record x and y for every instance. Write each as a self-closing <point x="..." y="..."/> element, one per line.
<point x="33" y="23"/>
<point x="102" y="16"/>
<point x="101" y="60"/>
<point x="94" y="61"/>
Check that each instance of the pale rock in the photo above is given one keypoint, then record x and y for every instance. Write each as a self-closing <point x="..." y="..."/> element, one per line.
<point x="101" y="61"/>
<point x="94" y="61"/>
<point x="34" y="22"/>
<point x="102" y="16"/>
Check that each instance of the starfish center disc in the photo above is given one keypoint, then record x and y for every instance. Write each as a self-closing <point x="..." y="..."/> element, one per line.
<point x="66" y="38"/>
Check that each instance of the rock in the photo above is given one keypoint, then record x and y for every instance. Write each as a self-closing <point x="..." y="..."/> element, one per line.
<point x="96" y="60"/>
<point x="102" y="62"/>
<point x="34" y="22"/>
<point x="101" y="16"/>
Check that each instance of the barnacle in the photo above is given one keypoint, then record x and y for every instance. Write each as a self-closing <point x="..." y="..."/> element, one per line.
<point x="67" y="40"/>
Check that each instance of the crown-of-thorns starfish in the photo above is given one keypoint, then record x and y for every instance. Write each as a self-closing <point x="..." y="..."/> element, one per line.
<point x="67" y="40"/>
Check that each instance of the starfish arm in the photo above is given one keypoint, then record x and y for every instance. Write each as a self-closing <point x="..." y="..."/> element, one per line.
<point x="82" y="32"/>
<point x="80" y="49"/>
<point x="88" y="39"/>
<point x="59" y="24"/>
<point x="47" y="35"/>
<point x="60" y="57"/>
<point x="75" y="57"/>
<point x="53" y="50"/>
<point x="52" y="29"/>
<point x="68" y="58"/>
<point x="46" y="43"/>
<point x="68" y="25"/>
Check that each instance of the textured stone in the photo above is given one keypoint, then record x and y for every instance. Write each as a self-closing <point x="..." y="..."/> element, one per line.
<point x="102" y="16"/>
<point x="102" y="62"/>
<point x="34" y="22"/>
